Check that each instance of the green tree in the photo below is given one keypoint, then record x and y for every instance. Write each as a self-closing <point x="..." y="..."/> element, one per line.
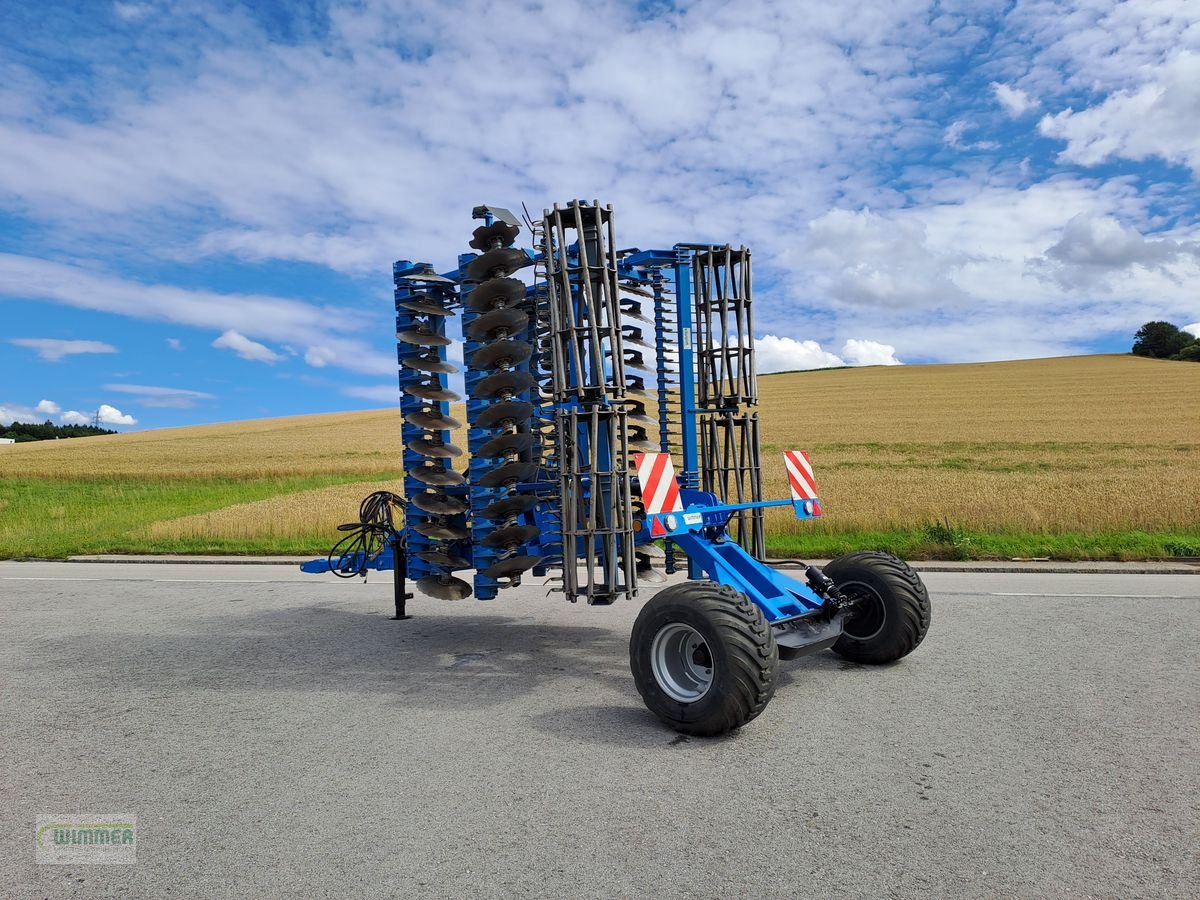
<point x="1190" y="353"/>
<point x="1160" y="340"/>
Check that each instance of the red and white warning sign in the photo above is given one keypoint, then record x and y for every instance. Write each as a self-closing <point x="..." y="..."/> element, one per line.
<point x="800" y="475"/>
<point x="660" y="490"/>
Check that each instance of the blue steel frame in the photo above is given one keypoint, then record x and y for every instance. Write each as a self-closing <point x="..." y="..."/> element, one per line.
<point x="699" y="529"/>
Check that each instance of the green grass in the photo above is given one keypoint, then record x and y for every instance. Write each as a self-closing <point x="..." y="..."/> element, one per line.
<point x="49" y="518"/>
<point x="56" y="518"/>
<point x="947" y="542"/>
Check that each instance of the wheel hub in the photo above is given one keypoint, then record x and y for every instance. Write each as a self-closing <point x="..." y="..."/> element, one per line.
<point x="682" y="662"/>
<point x="869" y="615"/>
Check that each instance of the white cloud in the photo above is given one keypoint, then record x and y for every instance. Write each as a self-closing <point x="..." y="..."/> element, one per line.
<point x="1193" y="329"/>
<point x="869" y="353"/>
<point x="105" y="415"/>
<point x="11" y="412"/>
<point x="49" y="407"/>
<point x="784" y="354"/>
<point x="319" y="357"/>
<point x="161" y="397"/>
<point x="1092" y="248"/>
<point x="953" y="137"/>
<point x="54" y="350"/>
<point x="1014" y="100"/>
<point x="251" y="315"/>
<point x="110" y="415"/>
<point x="1158" y="118"/>
<point x="174" y="343"/>
<point x="246" y="348"/>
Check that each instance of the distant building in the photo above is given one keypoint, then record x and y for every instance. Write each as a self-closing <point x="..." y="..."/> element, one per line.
<point x="7" y="441"/>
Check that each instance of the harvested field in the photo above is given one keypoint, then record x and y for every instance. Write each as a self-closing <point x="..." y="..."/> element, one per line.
<point x="1079" y="456"/>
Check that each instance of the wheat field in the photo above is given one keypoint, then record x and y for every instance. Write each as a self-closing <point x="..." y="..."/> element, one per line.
<point x="1077" y="445"/>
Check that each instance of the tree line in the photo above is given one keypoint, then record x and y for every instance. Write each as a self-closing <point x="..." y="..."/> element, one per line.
<point x="48" y="431"/>
<point x="1162" y="340"/>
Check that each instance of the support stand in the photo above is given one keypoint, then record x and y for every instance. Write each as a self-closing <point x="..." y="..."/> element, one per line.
<point x="399" y="571"/>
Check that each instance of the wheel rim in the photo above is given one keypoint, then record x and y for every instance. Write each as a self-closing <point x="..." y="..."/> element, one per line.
<point x="870" y="615"/>
<point x="682" y="662"/>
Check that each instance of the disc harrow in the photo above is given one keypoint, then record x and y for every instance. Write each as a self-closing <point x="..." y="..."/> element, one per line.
<point x="581" y="389"/>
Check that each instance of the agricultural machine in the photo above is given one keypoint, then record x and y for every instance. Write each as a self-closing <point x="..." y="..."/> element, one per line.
<point x="584" y="385"/>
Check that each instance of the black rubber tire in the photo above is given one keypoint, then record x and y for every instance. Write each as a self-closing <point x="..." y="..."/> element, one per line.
<point x="744" y="656"/>
<point x="897" y="615"/>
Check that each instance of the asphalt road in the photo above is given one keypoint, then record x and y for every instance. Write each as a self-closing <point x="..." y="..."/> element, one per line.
<point x="277" y="736"/>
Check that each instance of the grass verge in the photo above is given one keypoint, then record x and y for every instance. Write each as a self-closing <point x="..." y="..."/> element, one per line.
<point x="940" y="542"/>
<point x="56" y="518"/>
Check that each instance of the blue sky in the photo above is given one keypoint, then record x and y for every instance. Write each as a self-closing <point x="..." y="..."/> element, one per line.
<point x="200" y="200"/>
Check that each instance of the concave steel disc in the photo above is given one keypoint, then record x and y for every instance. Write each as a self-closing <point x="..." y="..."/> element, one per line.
<point x="423" y="338"/>
<point x="635" y="312"/>
<point x="439" y="504"/>
<point x="637" y="413"/>
<point x="635" y="289"/>
<point x="513" y="566"/>
<point x="438" y="558"/>
<point x="431" y="391"/>
<point x="501" y="353"/>
<point x="644" y="447"/>
<point x="631" y="335"/>
<point x="433" y="449"/>
<point x="436" y="476"/>
<point x="503" y="383"/>
<point x="509" y="507"/>
<point x="425" y="307"/>
<point x="432" y="421"/>
<point x="515" y="411"/>
<point x="649" y="574"/>
<point x="650" y="551"/>
<point x="511" y="536"/>
<point x="444" y="587"/>
<point x="498" y="234"/>
<point x="501" y="261"/>
<point x="488" y="326"/>
<point x="496" y="294"/>
<point x="505" y="444"/>
<point x="429" y="363"/>
<point x="509" y="473"/>
<point x="440" y="532"/>
<point x="428" y="275"/>
<point x="634" y="359"/>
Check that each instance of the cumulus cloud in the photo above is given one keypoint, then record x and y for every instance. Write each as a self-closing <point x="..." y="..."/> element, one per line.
<point x="246" y="348"/>
<point x="1093" y="247"/>
<point x="161" y="397"/>
<point x="869" y="353"/>
<point x="55" y="350"/>
<point x="1014" y="100"/>
<point x="779" y="114"/>
<point x="1193" y="329"/>
<point x="784" y="354"/>
<point x="49" y="407"/>
<point x="12" y="412"/>
<point x="105" y="415"/>
<point x="1158" y="118"/>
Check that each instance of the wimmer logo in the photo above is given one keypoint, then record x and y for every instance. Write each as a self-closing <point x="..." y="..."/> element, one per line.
<point x="97" y="839"/>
